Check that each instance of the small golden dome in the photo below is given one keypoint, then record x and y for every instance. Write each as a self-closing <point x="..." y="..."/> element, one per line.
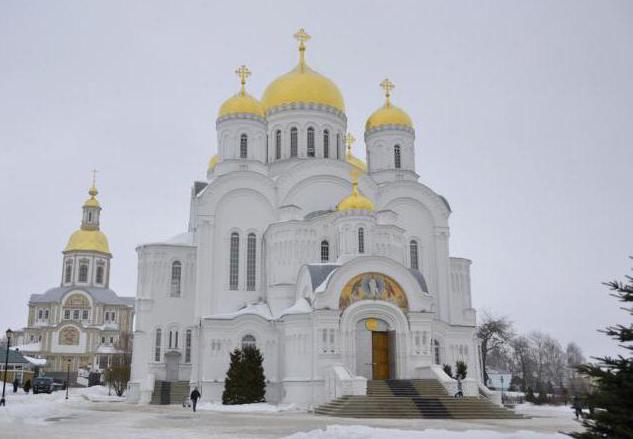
<point x="355" y="201"/>
<point x="388" y="114"/>
<point x="92" y="201"/>
<point x="88" y="240"/>
<point x="302" y="85"/>
<point x="213" y="162"/>
<point x="241" y="103"/>
<point x="357" y="163"/>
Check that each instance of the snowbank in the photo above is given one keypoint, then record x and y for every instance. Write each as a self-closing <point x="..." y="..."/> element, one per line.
<point x="248" y="408"/>
<point x="363" y="432"/>
<point x="550" y="411"/>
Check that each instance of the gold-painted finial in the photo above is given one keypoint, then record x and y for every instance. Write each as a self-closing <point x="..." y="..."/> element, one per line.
<point x="349" y="140"/>
<point x="93" y="190"/>
<point x="243" y="73"/>
<point x="387" y="86"/>
<point x="302" y="36"/>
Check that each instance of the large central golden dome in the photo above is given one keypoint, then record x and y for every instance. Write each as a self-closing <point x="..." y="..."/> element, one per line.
<point x="302" y="85"/>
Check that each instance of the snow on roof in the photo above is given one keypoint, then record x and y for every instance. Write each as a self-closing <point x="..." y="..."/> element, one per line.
<point x="108" y="349"/>
<point x="301" y="306"/>
<point x="36" y="361"/>
<point x="29" y="347"/>
<point x="101" y="295"/>
<point x="320" y="274"/>
<point x="185" y="239"/>
<point x="259" y="309"/>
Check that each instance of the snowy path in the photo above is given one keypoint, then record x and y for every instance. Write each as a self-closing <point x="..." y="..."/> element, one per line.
<point x="53" y="417"/>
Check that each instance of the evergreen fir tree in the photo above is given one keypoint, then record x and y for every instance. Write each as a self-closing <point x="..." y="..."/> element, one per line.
<point x="612" y="400"/>
<point x="233" y="381"/>
<point x="254" y="379"/>
<point x="448" y="370"/>
<point x="461" y="369"/>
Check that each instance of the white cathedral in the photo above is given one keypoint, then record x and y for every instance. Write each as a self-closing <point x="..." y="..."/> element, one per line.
<point x="337" y="270"/>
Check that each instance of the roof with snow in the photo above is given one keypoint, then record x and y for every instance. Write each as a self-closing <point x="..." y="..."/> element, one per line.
<point x="15" y="357"/>
<point x="101" y="295"/>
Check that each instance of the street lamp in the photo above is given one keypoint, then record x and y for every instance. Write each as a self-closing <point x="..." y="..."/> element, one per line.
<point x="68" y="377"/>
<point x="502" y="389"/>
<point x="6" y="366"/>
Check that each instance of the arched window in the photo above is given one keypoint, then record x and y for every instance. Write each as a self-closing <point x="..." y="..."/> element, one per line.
<point x="176" y="275"/>
<point x="157" y="342"/>
<point x="278" y="144"/>
<point x="68" y="275"/>
<point x="325" y="251"/>
<point x="243" y="146"/>
<point x="436" y="352"/>
<point x="251" y="255"/>
<point x="171" y="338"/>
<point x="188" y="346"/>
<point x="338" y="144"/>
<point x="311" y="142"/>
<point x="413" y="252"/>
<point x="99" y="276"/>
<point x="361" y="240"/>
<point x="234" y="261"/>
<point x="83" y="271"/>
<point x="248" y="341"/>
<point x="89" y="217"/>
<point x="326" y="143"/>
<point x="176" y="340"/>
<point x="294" y="139"/>
<point x="396" y="156"/>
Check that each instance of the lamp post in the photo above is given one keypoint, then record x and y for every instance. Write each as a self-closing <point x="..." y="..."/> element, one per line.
<point x="6" y="366"/>
<point x="502" y="389"/>
<point x="68" y="376"/>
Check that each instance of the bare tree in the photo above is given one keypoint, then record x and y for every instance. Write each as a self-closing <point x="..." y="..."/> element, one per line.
<point x="494" y="333"/>
<point x="523" y="360"/>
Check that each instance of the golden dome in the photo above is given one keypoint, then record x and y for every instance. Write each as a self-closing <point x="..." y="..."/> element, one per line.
<point x="88" y="240"/>
<point x="92" y="201"/>
<point x="241" y="103"/>
<point x="302" y="85"/>
<point x="388" y="114"/>
<point x="355" y="201"/>
<point x="213" y="162"/>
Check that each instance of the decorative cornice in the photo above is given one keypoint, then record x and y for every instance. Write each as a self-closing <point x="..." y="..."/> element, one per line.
<point x="306" y="106"/>
<point x="382" y="128"/>
<point x="241" y="116"/>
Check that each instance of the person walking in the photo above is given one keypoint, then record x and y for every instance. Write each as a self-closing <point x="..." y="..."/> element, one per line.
<point x="577" y="407"/>
<point x="460" y="391"/>
<point x="195" y="395"/>
<point x="16" y="383"/>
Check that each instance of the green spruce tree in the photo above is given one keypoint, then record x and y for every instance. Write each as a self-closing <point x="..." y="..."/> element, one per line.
<point x="461" y="369"/>
<point x="612" y="399"/>
<point x="233" y="382"/>
<point x="254" y="379"/>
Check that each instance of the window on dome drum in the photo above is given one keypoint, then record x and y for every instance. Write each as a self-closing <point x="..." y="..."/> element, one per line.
<point x="326" y="144"/>
<point x="45" y="314"/>
<point x="251" y="255"/>
<point x="234" y="261"/>
<point x="75" y="314"/>
<point x="294" y="140"/>
<point x="66" y="314"/>
<point x="361" y="240"/>
<point x="68" y="275"/>
<point x="188" y="346"/>
<point x="171" y="336"/>
<point x="84" y="314"/>
<point x="243" y="146"/>
<point x="311" y="152"/>
<point x="40" y="314"/>
<point x="396" y="157"/>
<point x="99" y="276"/>
<point x="157" y="342"/>
<point x="89" y="217"/>
<point x="248" y="341"/>
<point x="176" y="273"/>
<point x="436" y="352"/>
<point x="83" y="272"/>
<point x="338" y="145"/>
<point x="176" y="339"/>
<point x="413" y="250"/>
<point x="278" y="144"/>
<point x="325" y="251"/>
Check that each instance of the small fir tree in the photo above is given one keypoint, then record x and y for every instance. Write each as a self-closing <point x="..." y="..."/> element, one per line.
<point x="461" y="369"/>
<point x="233" y="382"/>
<point x="448" y="370"/>
<point x="612" y="399"/>
<point x="254" y="379"/>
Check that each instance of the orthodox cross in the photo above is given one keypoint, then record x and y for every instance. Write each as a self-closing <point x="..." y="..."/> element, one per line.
<point x="93" y="190"/>
<point x="302" y="37"/>
<point x="387" y="86"/>
<point x="243" y="73"/>
<point x="349" y="140"/>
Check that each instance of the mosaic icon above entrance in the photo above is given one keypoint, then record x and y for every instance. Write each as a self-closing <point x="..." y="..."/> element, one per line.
<point x="372" y="286"/>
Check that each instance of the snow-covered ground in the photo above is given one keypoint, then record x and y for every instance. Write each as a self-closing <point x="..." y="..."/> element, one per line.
<point x="92" y="413"/>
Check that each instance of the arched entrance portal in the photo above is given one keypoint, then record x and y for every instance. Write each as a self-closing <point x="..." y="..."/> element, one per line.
<point x="375" y="349"/>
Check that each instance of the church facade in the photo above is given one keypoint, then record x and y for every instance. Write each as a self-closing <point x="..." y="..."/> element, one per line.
<point x="336" y="269"/>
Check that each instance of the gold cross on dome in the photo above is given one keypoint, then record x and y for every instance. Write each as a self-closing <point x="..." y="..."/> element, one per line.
<point x="387" y="86"/>
<point x="349" y="140"/>
<point x="243" y="73"/>
<point x="301" y="36"/>
<point x="94" y="177"/>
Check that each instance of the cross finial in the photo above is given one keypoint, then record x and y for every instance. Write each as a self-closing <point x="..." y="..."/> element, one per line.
<point x="302" y="36"/>
<point x="93" y="190"/>
<point x="243" y="73"/>
<point x="349" y="140"/>
<point x="387" y="86"/>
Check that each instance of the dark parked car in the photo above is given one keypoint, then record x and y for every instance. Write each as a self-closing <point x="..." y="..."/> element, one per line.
<point x="43" y="385"/>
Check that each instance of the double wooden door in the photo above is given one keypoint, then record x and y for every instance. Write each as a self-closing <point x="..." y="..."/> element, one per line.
<point x="380" y="355"/>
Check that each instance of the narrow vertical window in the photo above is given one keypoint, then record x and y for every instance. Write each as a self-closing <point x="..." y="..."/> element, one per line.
<point x="294" y="139"/>
<point x="251" y="258"/>
<point x="325" y="251"/>
<point x="413" y="250"/>
<point x="234" y="261"/>
<point x="436" y="352"/>
<point x="99" y="277"/>
<point x="278" y="144"/>
<point x="396" y="156"/>
<point x="248" y="342"/>
<point x="311" y="152"/>
<point x="46" y="314"/>
<point x="188" y="346"/>
<point x="243" y="146"/>
<point x="176" y="340"/>
<point x="338" y="144"/>
<point x="83" y="271"/>
<point x="176" y="275"/>
<point x="171" y="338"/>
<point x="326" y="143"/>
<point x="68" y="275"/>
<point x="40" y="314"/>
<point x="361" y="240"/>
<point x="156" y="345"/>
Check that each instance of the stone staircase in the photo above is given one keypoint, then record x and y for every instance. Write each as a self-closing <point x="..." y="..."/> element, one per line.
<point x="167" y="392"/>
<point x="412" y="399"/>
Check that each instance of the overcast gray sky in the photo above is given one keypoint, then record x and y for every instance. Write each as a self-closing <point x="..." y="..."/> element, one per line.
<point x="523" y="116"/>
